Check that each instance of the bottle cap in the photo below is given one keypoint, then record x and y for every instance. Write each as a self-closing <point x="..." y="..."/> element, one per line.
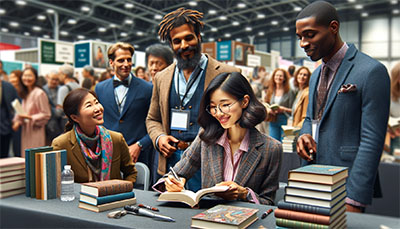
<point x="67" y="166"/>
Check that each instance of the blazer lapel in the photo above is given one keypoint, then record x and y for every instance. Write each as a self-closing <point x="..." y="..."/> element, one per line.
<point x="340" y="77"/>
<point x="249" y="160"/>
<point x="165" y="88"/>
<point x="217" y="161"/>
<point x="131" y="95"/>
<point x="313" y="89"/>
<point x="76" y="149"/>
<point x="110" y="100"/>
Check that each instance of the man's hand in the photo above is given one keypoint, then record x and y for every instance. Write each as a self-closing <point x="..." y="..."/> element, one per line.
<point x="165" y="148"/>
<point x="134" y="151"/>
<point x="234" y="192"/>
<point x="351" y="208"/>
<point x="306" y="146"/>
<point x="172" y="185"/>
<point x="15" y="126"/>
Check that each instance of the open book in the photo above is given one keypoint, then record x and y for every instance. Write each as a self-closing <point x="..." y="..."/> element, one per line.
<point x="394" y="122"/>
<point x="18" y="107"/>
<point x="188" y="197"/>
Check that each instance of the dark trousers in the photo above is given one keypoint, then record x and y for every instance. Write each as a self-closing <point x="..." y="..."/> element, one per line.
<point x="4" y="145"/>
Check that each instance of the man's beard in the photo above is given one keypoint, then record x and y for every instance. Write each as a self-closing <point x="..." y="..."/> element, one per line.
<point x="190" y="62"/>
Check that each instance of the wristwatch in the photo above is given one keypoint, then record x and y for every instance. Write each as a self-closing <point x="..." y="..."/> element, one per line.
<point x="139" y="144"/>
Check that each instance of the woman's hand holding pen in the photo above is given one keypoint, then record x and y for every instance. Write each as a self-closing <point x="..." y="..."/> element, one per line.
<point x="173" y="185"/>
<point x="306" y="147"/>
<point x="234" y="192"/>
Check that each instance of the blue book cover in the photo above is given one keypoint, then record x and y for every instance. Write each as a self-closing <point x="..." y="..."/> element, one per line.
<point x="94" y="200"/>
<point x="321" y="174"/>
<point x="30" y="169"/>
<point x="320" y="169"/>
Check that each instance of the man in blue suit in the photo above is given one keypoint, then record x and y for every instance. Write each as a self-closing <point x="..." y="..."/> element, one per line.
<point x="126" y="101"/>
<point x="349" y="104"/>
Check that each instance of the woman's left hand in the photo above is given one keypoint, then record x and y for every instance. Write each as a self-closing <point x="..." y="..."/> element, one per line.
<point x="25" y="116"/>
<point x="234" y="192"/>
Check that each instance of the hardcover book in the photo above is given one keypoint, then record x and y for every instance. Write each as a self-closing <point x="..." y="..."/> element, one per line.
<point x="11" y="164"/>
<point x="323" y="195"/>
<point x="11" y="185"/>
<point x="188" y="197"/>
<point x="94" y="200"/>
<point x="225" y="216"/>
<point x="322" y="174"/>
<point x="108" y="187"/>
<point x="108" y="206"/>
<point x="311" y="209"/>
<point x="309" y="217"/>
<point x="314" y="201"/>
<point x="338" y="223"/>
<point x="316" y="186"/>
<point x="30" y="169"/>
<point x="13" y="192"/>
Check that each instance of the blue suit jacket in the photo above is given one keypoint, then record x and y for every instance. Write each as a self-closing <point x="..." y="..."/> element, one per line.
<point x="353" y="125"/>
<point x="131" y="122"/>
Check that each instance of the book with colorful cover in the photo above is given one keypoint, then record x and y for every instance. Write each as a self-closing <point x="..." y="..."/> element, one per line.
<point x="311" y="209"/>
<point x="108" y="187"/>
<point x="315" y="201"/>
<point x="225" y="216"/>
<point x="30" y="169"/>
<point x="340" y="222"/>
<point x="316" y="186"/>
<point x="107" y="206"/>
<point x="323" y="195"/>
<point x="94" y="200"/>
<point x="322" y="174"/>
<point x="309" y="217"/>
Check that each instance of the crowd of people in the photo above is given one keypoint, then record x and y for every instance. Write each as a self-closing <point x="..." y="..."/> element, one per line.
<point x="199" y="116"/>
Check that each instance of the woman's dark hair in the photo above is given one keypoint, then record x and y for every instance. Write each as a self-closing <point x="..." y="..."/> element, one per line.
<point x="72" y="103"/>
<point x="296" y="83"/>
<point x="237" y="86"/>
<point x="23" y="93"/>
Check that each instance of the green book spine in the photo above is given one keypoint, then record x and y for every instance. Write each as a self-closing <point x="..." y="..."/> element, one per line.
<point x="32" y="174"/>
<point x="299" y="224"/>
<point x="51" y="176"/>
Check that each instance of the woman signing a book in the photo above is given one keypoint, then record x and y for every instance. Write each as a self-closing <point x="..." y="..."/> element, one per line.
<point x="229" y="150"/>
<point x="94" y="153"/>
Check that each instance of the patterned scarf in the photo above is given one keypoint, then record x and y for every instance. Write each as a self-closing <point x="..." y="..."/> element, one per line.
<point x="104" y="149"/>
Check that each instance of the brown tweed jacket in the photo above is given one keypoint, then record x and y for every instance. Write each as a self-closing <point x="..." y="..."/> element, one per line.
<point x="121" y="160"/>
<point x="300" y="111"/>
<point x="259" y="167"/>
<point x="157" y="121"/>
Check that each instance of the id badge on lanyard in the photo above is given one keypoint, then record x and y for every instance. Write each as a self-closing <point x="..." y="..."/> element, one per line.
<point x="180" y="119"/>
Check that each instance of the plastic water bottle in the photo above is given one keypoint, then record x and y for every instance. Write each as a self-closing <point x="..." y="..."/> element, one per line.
<point x="67" y="184"/>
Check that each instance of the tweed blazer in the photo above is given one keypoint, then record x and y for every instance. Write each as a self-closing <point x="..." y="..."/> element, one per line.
<point x="258" y="169"/>
<point x="121" y="160"/>
<point x="158" y="119"/>
<point x="300" y="111"/>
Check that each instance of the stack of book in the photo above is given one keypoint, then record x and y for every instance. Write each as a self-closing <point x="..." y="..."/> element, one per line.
<point x="289" y="140"/>
<point x="105" y="195"/>
<point x="43" y="167"/>
<point x="314" y="198"/>
<point x="12" y="176"/>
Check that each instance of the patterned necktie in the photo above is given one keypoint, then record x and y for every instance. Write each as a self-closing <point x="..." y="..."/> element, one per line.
<point x="322" y="92"/>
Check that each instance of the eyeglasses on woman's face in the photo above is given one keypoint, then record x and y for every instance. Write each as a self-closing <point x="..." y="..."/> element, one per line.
<point x="224" y="108"/>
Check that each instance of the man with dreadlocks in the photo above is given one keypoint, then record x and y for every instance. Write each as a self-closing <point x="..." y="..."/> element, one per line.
<point x="177" y="90"/>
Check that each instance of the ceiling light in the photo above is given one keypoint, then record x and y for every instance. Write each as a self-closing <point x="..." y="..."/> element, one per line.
<point x="274" y="22"/>
<point x="297" y="8"/>
<point x="136" y="46"/>
<point x="123" y="34"/>
<point x="260" y="15"/>
<point x="202" y="34"/>
<point x="285" y="28"/>
<point x="102" y="29"/>
<point x="41" y="17"/>
<point x="351" y="1"/>
<point x="113" y="26"/>
<point x="261" y="33"/>
<point x="193" y="3"/>
<point x="20" y="2"/>
<point x="71" y="21"/>
<point x="235" y="23"/>
<point x="248" y="29"/>
<point x="80" y="37"/>
<point x="395" y="11"/>
<point x="139" y="33"/>
<point x="393" y="2"/>
<point x="212" y="12"/>
<point x="14" y="24"/>
<point x="211" y="39"/>
<point x="64" y="33"/>
<point x="2" y="11"/>
<point x="222" y="18"/>
<point x="36" y="28"/>
<point x="364" y="14"/>
<point x="50" y="11"/>
<point x="214" y="29"/>
<point x="239" y="39"/>
<point x="129" y="21"/>
<point x="46" y="36"/>
<point x="358" y="6"/>
<point x="241" y="5"/>
<point x="128" y="5"/>
<point x="85" y="8"/>
<point x="227" y="35"/>
<point x="27" y="34"/>
<point x="157" y="16"/>
<point x="4" y="30"/>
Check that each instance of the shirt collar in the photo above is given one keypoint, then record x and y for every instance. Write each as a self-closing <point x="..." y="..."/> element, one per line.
<point x="244" y="145"/>
<point x="335" y="61"/>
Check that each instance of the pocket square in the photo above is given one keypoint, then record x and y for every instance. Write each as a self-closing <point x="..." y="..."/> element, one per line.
<point x="347" y="88"/>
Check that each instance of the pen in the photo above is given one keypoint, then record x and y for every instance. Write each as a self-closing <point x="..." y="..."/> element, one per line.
<point x="265" y="214"/>
<point x="175" y="176"/>
<point x="148" y="207"/>
<point x="144" y="212"/>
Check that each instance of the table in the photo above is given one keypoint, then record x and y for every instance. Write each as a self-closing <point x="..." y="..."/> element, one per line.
<point x="20" y="211"/>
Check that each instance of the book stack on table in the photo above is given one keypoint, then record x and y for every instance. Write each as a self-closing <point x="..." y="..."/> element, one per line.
<point x="43" y="167"/>
<point x="314" y="198"/>
<point x="12" y="176"/>
<point x="290" y="138"/>
<point x="105" y="195"/>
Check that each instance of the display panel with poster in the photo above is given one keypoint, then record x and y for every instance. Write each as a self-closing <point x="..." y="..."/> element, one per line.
<point x="99" y="55"/>
<point x="210" y="48"/>
<point x="241" y="51"/>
